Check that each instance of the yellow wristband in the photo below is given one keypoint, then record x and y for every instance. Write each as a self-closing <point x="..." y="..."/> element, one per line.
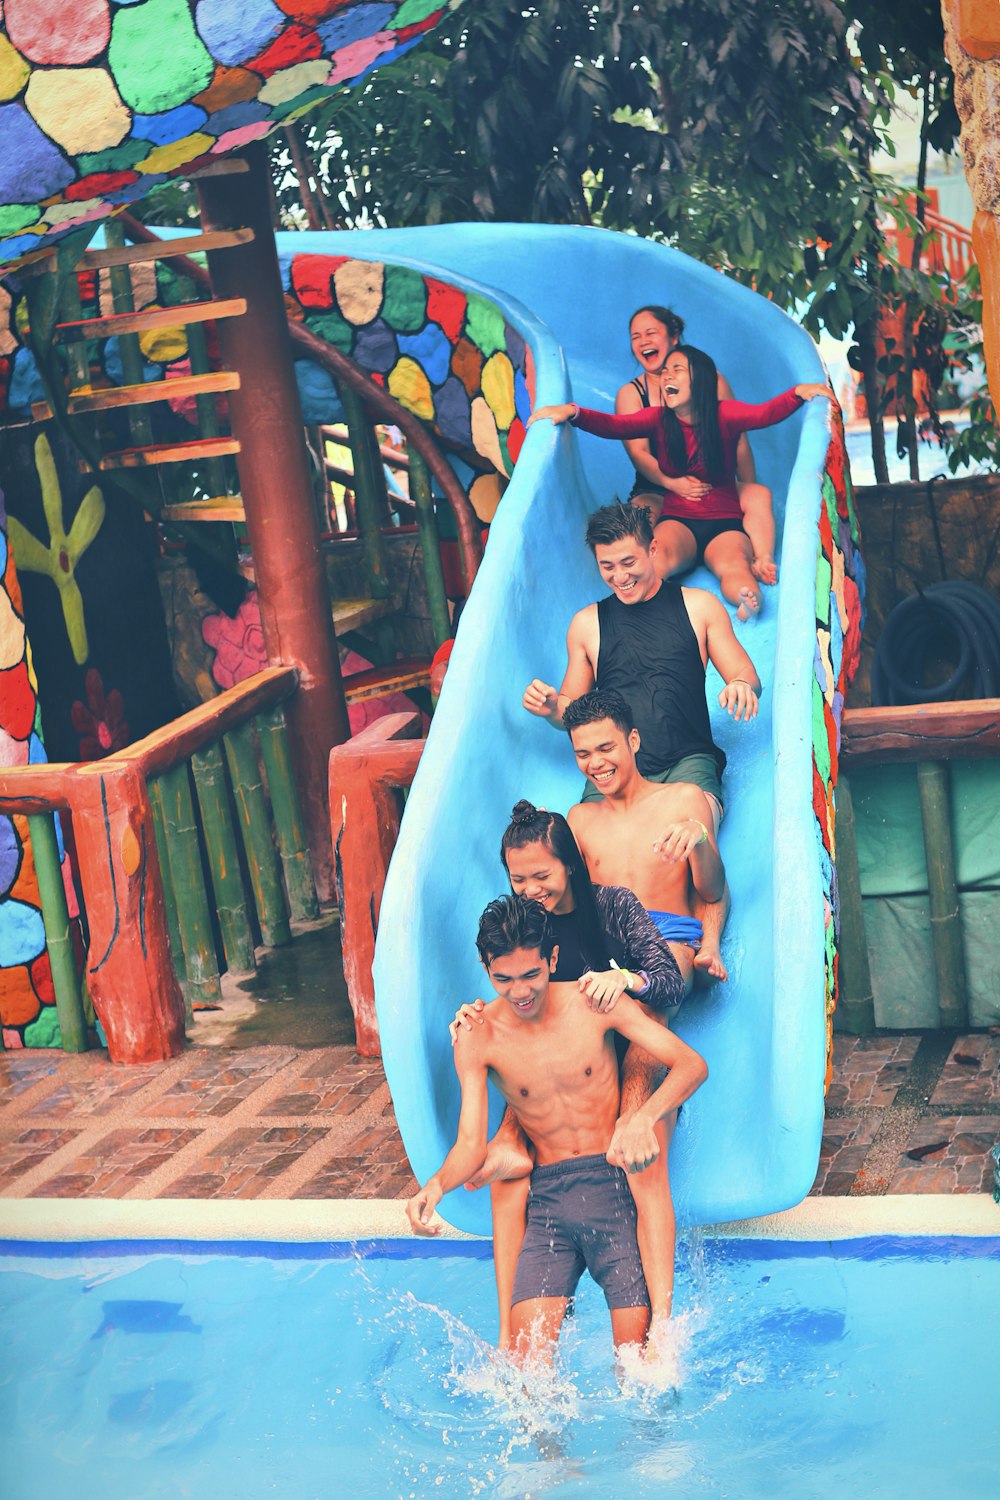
<point x="704" y="830"/>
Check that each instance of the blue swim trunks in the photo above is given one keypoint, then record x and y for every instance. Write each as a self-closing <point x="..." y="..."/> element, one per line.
<point x="678" y="929"/>
<point x="581" y="1215"/>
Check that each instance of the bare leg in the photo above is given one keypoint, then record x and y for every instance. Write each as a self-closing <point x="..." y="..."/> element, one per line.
<point x="676" y="548"/>
<point x="535" y="1326"/>
<point x="629" y="1325"/>
<point x="758" y="523"/>
<point x="685" y="956"/>
<point x="507" y="1155"/>
<point x="507" y="1168"/>
<point x="652" y="504"/>
<point x="708" y="965"/>
<point x="509" y="1203"/>
<point x="729" y="556"/>
<point x="656" y="1228"/>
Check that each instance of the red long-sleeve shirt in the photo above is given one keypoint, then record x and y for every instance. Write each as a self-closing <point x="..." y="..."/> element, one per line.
<point x="722" y="503"/>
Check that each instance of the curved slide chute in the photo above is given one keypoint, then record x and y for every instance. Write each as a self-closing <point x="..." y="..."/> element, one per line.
<point x="748" y="1143"/>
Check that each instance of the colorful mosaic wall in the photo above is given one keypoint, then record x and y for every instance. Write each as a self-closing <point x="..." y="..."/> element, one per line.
<point x="840" y="591"/>
<point x="102" y="100"/>
<point x="449" y="357"/>
<point x="27" y="1000"/>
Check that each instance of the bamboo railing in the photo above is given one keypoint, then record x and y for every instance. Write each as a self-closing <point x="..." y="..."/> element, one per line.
<point x="147" y="823"/>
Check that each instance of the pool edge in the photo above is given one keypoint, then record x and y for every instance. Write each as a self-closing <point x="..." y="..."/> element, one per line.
<point x="966" y="1214"/>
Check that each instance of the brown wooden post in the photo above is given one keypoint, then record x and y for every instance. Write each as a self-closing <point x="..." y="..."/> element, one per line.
<point x="130" y="972"/>
<point x="364" y="821"/>
<point x="275" y="480"/>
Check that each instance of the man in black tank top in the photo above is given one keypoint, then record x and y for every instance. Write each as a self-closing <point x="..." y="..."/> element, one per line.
<point x="650" y="640"/>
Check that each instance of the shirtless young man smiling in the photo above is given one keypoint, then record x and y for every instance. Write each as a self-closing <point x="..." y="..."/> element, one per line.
<point x="616" y="835"/>
<point x="554" y="1061"/>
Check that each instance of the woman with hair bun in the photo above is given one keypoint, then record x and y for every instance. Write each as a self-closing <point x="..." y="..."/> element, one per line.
<point x="607" y="944"/>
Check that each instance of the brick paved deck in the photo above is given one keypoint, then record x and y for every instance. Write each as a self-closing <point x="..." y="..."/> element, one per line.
<point x="907" y="1113"/>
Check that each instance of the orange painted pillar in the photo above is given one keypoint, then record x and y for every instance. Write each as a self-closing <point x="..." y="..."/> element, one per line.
<point x="275" y="480"/>
<point x="972" y="43"/>
<point x="364" y="820"/>
<point x="130" y="973"/>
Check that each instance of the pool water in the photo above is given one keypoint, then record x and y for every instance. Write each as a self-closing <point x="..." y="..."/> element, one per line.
<point x="313" y="1372"/>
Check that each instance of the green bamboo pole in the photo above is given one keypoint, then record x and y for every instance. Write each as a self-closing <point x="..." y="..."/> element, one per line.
<point x="437" y="599"/>
<point x="223" y="859"/>
<point x="140" y="423"/>
<point x="71" y="311"/>
<point x="287" y="813"/>
<point x="170" y="905"/>
<point x="856" y="1005"/>
<point x="255" y="823"/>
<point x="58" y="940"/>
<point x="933" y="784"/>
<point x="367" y="490"/>
<point x="208" y="419"/>
<point x="193" y="915"/>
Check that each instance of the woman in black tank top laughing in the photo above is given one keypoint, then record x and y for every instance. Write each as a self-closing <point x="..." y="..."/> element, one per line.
<point x="607" y="944"/>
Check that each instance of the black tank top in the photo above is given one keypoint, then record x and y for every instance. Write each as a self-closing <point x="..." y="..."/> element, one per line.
<point x="649" y="653"/>
<point x="571" y="962"/>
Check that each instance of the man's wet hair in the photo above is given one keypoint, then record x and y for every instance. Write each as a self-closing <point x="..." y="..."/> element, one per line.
<point x="665" y="315"/>
<point x="600" y="704"/>
<point x="512" y="922"/>
<point x="613" y="523"/>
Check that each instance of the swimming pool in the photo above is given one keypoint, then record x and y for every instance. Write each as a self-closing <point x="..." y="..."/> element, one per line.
<point x="812" y="1370"/>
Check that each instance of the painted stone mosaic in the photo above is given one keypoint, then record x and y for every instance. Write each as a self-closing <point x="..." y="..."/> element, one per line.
<point x="448" y="356"/>
<point x="102" y="100"/>
<point x="27" y="1000"/>
<point x="840" y="593"/>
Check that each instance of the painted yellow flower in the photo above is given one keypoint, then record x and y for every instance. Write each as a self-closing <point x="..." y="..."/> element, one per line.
<point x="58" y="560"/>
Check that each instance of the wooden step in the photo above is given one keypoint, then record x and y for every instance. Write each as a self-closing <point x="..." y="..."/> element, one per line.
<point x="189" y="244"/>
<point x="169" y="453"/>
<point x="215" y="508"/>
<point x="83" y="399"/>
<point x="353" y="614"/>
<point x="150" y="317"/>
<point x="377" y="682"/>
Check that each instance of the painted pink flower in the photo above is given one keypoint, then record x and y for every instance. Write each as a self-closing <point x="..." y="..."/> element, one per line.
<point x="238" y="643"/>
<point x="100" y="722"/>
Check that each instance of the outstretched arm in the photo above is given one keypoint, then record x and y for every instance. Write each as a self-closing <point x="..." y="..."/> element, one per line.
<point x="469" y="1151"/>
<point x="634" y="1144"/>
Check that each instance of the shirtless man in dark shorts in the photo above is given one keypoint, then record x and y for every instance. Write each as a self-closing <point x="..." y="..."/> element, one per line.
<point x="614" y="833"/>
<point x="554" y="1061"/>
<point x="651" y="640"/>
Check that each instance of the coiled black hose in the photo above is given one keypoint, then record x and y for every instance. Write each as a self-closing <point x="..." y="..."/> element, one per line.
<point x="955" y="610"/>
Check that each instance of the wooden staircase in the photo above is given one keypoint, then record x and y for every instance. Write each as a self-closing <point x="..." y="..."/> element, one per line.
<point x="364" y="477"/>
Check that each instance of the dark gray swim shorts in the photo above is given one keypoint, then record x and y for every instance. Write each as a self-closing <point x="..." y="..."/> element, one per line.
<point x="581" y="1215"/>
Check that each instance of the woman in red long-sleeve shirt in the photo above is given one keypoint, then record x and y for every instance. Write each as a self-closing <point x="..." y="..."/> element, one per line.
<point x="693" y="432"/>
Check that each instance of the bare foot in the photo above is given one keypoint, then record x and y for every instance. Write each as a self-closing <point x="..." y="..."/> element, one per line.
<point x="708" y="965"/>
<point x="505" y="1160"/>
<point x="764" y="569"/>
<point x="749" y="604"/>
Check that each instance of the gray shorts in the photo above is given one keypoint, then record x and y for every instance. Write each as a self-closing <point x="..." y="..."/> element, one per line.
<point x="699" y="769"/>
<point x="581" y="1215"/>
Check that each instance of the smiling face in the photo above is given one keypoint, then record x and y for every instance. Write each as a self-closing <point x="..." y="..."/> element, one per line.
<point x="535" y="872"/>
<point x="676" y="382"/>
<point x="522" y="979"/>
<point x="606" y="755"/>
<point x="650" y="340"/>
<point x="628" y="569"/>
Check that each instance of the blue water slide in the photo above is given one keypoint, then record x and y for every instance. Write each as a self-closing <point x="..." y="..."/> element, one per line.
<point x="748" y="1143"/>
